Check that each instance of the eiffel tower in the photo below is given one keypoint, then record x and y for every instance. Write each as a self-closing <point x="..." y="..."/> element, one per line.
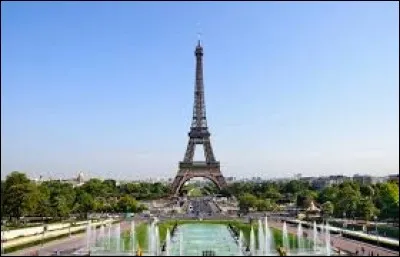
<point x="198" y="135"/>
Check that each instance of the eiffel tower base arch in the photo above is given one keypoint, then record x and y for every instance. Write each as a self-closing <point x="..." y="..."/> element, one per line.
<point x="183" y="176"/>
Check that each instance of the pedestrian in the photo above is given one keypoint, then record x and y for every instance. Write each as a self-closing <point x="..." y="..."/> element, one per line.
<point x="362" y="250"/>
<point x="356" y="252"/>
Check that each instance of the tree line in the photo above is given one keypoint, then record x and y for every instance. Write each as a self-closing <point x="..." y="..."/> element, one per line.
<point x="22" y="197"/>
<point x="350" y="198"/>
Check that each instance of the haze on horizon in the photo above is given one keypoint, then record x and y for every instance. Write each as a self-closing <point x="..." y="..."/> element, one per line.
<point x="107" y="87"/>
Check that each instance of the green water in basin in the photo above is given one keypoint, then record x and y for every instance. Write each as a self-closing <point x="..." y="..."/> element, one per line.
<point x="198" y="238"/>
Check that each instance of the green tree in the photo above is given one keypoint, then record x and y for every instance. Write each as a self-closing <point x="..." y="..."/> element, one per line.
<point x="44" y="209"/>
<point x="95" y="187"/>
<point x="84" y="203"/>
<point x="388" y="200"/>
<point x="367" y="209"/>
<point x="61" y="198"/>
<point x="347" y="201"/>
<point x="327" y="209"/>
<point x="367" y="191"/>
<point x="2" y="198"/>
<point x="328" y="194"/>
<point x="127" y="204"/>
<point x="247" y="201"/>
<point x="20" y="195"/>
<point x="305" y="197"/>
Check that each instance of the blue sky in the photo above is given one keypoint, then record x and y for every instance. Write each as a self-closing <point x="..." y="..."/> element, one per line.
<point x="107" y="87"/>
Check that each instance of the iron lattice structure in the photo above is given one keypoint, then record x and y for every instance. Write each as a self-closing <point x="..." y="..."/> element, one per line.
<point x="198" y="135"/>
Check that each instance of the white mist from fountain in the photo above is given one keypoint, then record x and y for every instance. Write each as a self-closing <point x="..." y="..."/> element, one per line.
<point x="88" y="235"/>
<point x="300" y="240"/>
<point x="117" y="232"/>
<point x="132" y="237"/>
<point x="100" y="239"/>
<point x="157" y="239"/>
<point x="109" y="237"/>
<point x="260" y="238"/>
<point x="252" y="242"/>
<point x="285" y="238"/>
<point x="167" y="243"/>
<point x="269" y="239"/>
<point x="150" y="237"/>
<point x="240" y="243"/>
<point x="181" y="243"/>
<point x="327" y="240"/>
<point x="315" y="236"/>
<point x="93" y="235"/>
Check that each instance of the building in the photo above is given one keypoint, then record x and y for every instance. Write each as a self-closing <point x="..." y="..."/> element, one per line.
<point x="75" y="182"/>
<point x="322" y="182"/>
<point x="394" y="178"/>
<point x="362" y="179"/>
<point x="230" y="179"/>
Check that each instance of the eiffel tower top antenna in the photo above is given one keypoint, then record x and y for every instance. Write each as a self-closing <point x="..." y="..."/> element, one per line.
<point x="198" y="34"/>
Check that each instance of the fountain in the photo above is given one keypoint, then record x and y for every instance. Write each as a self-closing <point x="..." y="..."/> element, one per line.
<point x="240" y="243"/>
<point x="181" y="244"/>
<point x="167" y="243"/>
<point x="157" y="241"/>
<point x="152" y="238"/>
<point x="285" y="238"/>
<point x="327" y="239"/>
<point x="252" y="242"/>
<point x="315" y="236"/>
<point x="88" y="235"/>
<point x="132" y="237"/>
<point x="195" y="239"/>
<point x="268" y="238"/>
<point x="300" y="241"/>
<point x="100" y="241"/>
<point x="109" y="237"/>
<point x="260" y="237"/>
<point x="117" y="235"/>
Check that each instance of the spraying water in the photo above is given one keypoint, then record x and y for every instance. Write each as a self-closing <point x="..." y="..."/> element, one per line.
<point x="109" y="237"/>
<point x="101" y="240"/>
<point x="252" y="241"/>
<point x="240" y="243"/>
<point x="167" y="243"/>
<point x="315" y="236"/>
<point x="93" y="238"/>
<point x="88" y="235"/>
<point x="151" y="240"/>
<point x="269" y="240"/>
<point x="157" y="241"/>
<point x="132" y="236"/>
<point x="117" y="232"/>
<point x="285" y="238"/>
<point x="260" y="238"/>
<point x="327" y="239"/>
<point x="181" y="244"/>
<point x="300" y="241"/>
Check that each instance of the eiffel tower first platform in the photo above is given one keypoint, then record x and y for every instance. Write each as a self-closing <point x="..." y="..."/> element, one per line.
<point x="198" y="135"/>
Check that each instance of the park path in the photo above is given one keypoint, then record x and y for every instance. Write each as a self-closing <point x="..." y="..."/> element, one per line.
<point x="342" y="243"/>
<point x="67" y="245"/>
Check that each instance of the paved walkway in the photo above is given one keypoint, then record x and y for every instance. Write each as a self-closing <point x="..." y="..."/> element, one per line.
<point x="345" y="244"/>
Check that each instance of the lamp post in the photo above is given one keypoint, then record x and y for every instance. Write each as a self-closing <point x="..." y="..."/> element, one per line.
<point x="44" y="230"/>
<point x="2" y="244"/>
<point x="344" y="224"/>
<point x="376" y="230"/>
